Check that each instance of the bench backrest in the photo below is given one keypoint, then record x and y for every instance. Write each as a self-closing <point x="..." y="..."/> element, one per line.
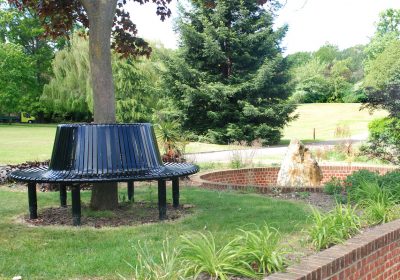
<point x="105" y="148"/>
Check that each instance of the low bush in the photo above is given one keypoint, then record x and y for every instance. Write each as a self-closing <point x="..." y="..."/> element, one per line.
<point x="391" y="181"/>
<point x="333" y="227"/>
<point x="355" y="180"/>
<point x="333" y="186"/>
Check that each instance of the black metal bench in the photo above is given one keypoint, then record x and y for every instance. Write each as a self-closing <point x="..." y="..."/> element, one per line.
<point x="98" y="153"/>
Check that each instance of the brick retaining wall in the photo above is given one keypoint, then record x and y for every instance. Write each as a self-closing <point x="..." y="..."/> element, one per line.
<point x="374" y="254"/>
<point x="264" y="178"/>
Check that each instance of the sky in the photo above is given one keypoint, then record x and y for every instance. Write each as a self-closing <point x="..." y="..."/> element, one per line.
<point x="312" y="23"/>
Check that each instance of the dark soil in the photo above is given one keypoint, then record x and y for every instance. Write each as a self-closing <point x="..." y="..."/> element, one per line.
<point x="126" y="215"/>
<point x="320" y="200"/>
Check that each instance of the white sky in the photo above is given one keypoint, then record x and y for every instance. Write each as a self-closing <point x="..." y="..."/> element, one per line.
<point x="312" y="23"/>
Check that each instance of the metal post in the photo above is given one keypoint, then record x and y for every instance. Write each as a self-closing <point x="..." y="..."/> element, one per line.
<point x="131" y="191"/>
<point x="32" y="201"/>
<point x="175" y="192"/>
<point x="162" y="199"/>
<point x="63" y="195"/>
<point x="76" y="204"/>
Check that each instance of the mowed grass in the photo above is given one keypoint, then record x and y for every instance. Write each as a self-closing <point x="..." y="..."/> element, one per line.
<point x="23" y="142"/>
<point x="326" y="117"/>
<point x="88" y="253"/>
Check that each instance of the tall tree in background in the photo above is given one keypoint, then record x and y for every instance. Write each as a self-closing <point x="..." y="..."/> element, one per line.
<point x="18" y="83"/>
<point x="23" y="28"/>
<point x="69" y="95"/>
<point x="104" y="19"/>
<point x="229" y="77"/>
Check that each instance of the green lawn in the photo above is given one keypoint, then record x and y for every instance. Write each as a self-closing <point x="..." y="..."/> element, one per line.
<point x="325" y="118"/>
<point x="86" y="253"/>
<point x="23" y="142"/>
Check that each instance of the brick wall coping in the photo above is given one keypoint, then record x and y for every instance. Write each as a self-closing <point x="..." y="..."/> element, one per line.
<point x="373" y="254"/>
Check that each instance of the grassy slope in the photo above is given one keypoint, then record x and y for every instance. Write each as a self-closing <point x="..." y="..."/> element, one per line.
<point x="325" y="117"/>
<point x="19" y="143"/>
<point x="84" y="253"/>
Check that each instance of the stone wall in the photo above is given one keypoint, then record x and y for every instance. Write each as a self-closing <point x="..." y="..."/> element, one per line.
<point x="264" y="178"/>
<point x="374" y="254"/>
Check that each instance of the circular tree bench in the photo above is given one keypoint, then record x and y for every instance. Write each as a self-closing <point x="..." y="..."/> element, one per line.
<point x="99" y="153"/>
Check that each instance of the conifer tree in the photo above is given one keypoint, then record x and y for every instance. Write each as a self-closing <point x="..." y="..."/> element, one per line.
<point x="229" y="77"/>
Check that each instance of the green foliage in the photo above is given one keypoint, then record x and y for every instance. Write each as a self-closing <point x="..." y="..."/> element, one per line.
<point x="200" y="255"/>
<point x="69" y="93"/>
<point x="391" y="181"/>
<point x="328" y="75"/>
<point x="23" y="29"/>
<point x="327" y="53"/>
<point x="333" y="186"/>
<point x="229" y="78"/>
<point x="148" y="268"/>
<point x="376" y="199"/>
<point x="380" y="209"/>
<point x="385" y="67"/>
<point x="383" y="140"/>
<point x="333" y="227"/>
<point x="389" y="22"/>
<point x="18" y="84"/>
<point x="356" y="179"/>
<point x="260" y="248"/>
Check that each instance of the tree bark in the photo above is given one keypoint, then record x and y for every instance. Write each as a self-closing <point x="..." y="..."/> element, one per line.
<point x="101" y="14"/>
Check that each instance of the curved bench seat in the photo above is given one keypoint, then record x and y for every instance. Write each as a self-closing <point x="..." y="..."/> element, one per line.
<point x="100" y="153"/>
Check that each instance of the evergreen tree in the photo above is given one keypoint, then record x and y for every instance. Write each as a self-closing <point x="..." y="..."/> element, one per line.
<point x="229" y="78"/>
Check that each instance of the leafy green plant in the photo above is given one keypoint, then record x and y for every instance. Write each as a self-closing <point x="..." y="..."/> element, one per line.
<point x="391" y="181"/>
<point x="200" y="255"/>
<point x="333" y="186"/>
<point x="148" y="268"/>
<point x="355" y="180"/>
<point x="333" y="227"/>
<point x="260" y="248"/>
<point x="378" y="202"/>
<point x="380" y="211"/>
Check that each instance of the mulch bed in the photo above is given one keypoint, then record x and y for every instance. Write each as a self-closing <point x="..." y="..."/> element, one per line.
<point x="320" y="200"/>
<point x="125" y="215"/>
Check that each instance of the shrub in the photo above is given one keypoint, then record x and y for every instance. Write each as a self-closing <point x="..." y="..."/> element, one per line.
<point x="384" y="140"/>
<point x="201" y="255"/>
<point x="334" y="186"/>
<point x="260" y="248"/>
<point x="354" y="180"/>
<point x="391" y="181"/>
<point x="333" y="227"/>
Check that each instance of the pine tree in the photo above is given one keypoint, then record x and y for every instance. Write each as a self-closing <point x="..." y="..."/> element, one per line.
<point x="229" y="77"/>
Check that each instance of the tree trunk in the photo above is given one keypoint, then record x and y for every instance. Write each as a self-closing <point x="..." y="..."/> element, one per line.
<point x="101" y="14"/>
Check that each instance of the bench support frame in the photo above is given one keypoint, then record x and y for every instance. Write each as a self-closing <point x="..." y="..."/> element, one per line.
<point x="32" y="197"/>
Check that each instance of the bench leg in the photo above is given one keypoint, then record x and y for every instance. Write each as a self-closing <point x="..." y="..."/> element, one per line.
<point x="32" y="201"/>
<point x="63" y="195"/>
<point x="131" y="191"/>
<point x="175" y="192"/>
<point x="162" y="199"/>
<point x="76" y="204"/>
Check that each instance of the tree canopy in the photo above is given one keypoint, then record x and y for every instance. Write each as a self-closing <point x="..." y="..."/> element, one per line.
<point x="229" y="78"/>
